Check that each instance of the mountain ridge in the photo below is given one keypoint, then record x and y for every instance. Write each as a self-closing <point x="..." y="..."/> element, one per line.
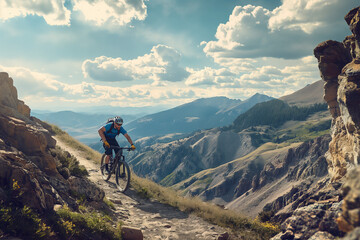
<point x="199" y="114"/>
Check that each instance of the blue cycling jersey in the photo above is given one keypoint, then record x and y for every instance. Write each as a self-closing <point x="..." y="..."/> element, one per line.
<point x="114" y="132"/>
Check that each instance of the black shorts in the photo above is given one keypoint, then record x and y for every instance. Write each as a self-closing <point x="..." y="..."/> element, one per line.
<point x="112" y="142"/>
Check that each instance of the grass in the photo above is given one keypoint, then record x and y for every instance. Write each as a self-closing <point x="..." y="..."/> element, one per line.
<point x="23" y="222"/>
<point x="87" y="224"/>
<point x="88" y="152"/>
<point x="242" y="226"/>
<point x="67" y="161"/>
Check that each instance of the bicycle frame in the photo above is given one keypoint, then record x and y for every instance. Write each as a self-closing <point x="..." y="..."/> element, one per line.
<point x="119" y="167"/>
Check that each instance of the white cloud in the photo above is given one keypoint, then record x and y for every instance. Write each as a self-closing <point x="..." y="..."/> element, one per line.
<point x="209" y="76"/>
<point x="53" y="11"/>
<point x="309" y="15"/>
<point x="99" y="12"/>
<point x="31" y="82"/>
<point x="117" y="12"/>
<point x="253" y="31"/>
<point x="162" y="64"/>
<point x="44" y="91"/>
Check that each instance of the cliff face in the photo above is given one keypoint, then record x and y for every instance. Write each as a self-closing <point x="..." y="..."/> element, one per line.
<point x="29" y="163"/>
<point x="339" y="64"/>
<point x="331" y="208"/>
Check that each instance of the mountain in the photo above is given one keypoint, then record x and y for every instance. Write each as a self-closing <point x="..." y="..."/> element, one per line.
<point x="82" y="126"/>
<point x="248" y="183"/>
<point x="200" y="114"/>
<point x="274" y="113"/>
<point x="309" y="95"/>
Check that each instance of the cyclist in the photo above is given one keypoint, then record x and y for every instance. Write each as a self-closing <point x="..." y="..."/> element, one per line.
<point x="108" y="133"/>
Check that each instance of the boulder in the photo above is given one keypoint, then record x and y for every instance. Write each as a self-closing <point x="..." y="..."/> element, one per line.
<point x="349" y="219"/>
<point x="29" y="138"/>
<point x="9" y="97"/>
<point x="85" y="187"/>
<point x="131" y="233"/>
<point x="24" y="182"/>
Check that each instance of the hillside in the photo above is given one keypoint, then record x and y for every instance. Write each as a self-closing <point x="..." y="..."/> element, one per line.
<point x="197" y="115"/>
<point x="174" y="161"/>
<point x="309" y="95"/>
<point x="274" y="113"/>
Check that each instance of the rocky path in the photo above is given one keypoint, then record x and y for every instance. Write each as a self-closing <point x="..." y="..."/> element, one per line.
<point x="156" y="221"/>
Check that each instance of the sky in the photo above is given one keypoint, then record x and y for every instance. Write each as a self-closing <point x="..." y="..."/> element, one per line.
<point x="82" y="54"/>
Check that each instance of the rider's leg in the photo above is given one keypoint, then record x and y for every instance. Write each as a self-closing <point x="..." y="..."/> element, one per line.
<point x="108" y="152"/>
<point x="107" y="159"/>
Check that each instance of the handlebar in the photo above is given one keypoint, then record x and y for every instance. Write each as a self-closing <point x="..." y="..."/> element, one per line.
<point x="121" y="148"/>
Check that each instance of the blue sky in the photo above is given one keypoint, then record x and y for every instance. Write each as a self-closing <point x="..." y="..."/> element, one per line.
<point x="76" y="54"/>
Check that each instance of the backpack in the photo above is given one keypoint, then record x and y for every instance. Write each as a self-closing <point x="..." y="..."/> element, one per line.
<point x="111" y="120"/>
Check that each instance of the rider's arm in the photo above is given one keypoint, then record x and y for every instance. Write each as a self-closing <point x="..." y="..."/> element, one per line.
<point x="102" y="134"/>
<point x="128" y="138"/>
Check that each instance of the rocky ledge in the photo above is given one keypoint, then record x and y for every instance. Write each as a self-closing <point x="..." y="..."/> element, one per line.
<point x="29" y="166"/>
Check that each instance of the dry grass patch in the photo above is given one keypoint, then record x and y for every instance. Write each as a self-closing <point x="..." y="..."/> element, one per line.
<point x="241" y="225"/>
<point x="89" y="153"/>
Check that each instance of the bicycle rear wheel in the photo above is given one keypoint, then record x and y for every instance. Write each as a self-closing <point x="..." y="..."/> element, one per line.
<point x="122" y="176"/>
<point x="104" y="174"/>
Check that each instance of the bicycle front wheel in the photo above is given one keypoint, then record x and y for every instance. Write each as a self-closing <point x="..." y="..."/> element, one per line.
<point x="105" y="175"/>
<point x="122" y="176"/>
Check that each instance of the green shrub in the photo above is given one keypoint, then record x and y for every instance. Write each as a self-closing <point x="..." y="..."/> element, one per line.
<point x="23" y="222"/>
<point x="83" y="225"/>
<point x="70" y="162"/>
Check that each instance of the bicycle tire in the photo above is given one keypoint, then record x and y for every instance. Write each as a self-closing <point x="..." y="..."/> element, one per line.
<point x="122" y="176"/>
<point x="104" y="175"/>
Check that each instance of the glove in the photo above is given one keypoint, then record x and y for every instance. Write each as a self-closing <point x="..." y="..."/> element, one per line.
<point x="106" y="144"/>
<point x="133" y="147"/>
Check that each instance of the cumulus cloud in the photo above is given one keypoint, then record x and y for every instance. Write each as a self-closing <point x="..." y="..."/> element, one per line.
<point x="99" y="12"/>
<point x="309" y="15"/>
<point x="118" y="12"/>
<point x="53" y="11"/>
<point x="162" y="64"/>
<point x="209" y="76"/>
<point x="29" y="82"/>
<point x="42" y="90"/>
<point x="254" y="31"/>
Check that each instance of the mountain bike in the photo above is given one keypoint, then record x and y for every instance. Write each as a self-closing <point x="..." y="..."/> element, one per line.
<point x="118" y="167"/>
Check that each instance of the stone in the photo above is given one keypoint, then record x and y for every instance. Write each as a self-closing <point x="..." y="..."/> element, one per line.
<point x="354" y="235"/>
<point x="350" y="216"/>
<point x="353" y="20"/>
<point x="131" y="233"/>
<point x="288" y="235"/>
<point x="116" y="201"/>
<point x="84" y="186"/>
<point x="322" y="236"/>
<point x="224" y="236"/>
<point x="9" y="97"/>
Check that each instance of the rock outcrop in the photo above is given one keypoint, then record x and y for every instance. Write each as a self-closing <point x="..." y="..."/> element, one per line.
<point x="339" y="212"/>
<point x="344" y="149"/>
<point x="9" y="98"/>
<point x="339" y="65"/>
<point x="330" y="208"/>
<point x="29" y="170"/>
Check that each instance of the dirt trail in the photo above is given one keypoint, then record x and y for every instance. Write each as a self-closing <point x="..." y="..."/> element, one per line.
<point x="156" y="221"/>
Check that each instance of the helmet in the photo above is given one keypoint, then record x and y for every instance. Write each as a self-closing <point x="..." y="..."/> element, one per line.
<point x="118" y="120"/>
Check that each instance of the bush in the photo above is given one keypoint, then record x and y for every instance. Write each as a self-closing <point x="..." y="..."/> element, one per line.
<point x="68" y="161"/>
<point x="23" y="222"/>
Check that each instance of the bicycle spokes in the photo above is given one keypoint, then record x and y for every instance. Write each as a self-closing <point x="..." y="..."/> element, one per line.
<point x="122" y="176"/>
